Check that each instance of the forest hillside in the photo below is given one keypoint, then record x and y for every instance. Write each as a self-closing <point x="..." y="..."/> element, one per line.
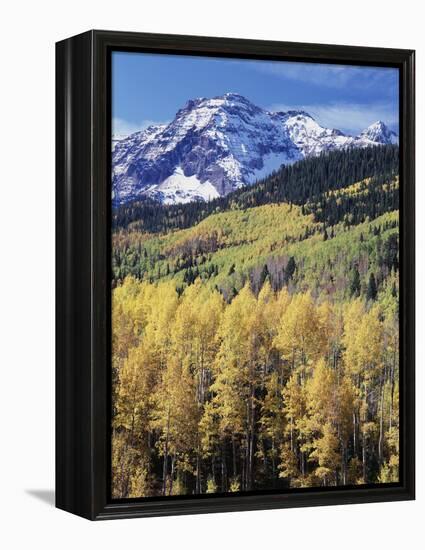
<point x="255" y="337"/>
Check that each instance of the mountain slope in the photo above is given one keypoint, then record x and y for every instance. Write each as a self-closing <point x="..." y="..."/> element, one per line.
<point x="214" y="146"/>
<point x="301" y="183"/>
<point x="228" y="248"/>
<point x="230" y="240"/>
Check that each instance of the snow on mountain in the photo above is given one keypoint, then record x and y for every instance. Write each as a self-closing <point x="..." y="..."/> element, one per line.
<point x="179" y="188"/>
<point x="378" y="132"/>
<point x="116" y="138"/>
<point x="311" y="138"/>
<point x="214" y="146"/>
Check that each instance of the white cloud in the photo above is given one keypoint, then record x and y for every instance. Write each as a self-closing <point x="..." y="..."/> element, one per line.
<point x="331" y="76"/>
<point x="121" y="127"/>
<point x="348" y="117"/>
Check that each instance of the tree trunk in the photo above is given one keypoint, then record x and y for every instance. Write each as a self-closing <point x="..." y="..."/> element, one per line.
<point x="251" y="439"/>
<point x="344" y="463"/>
<point x="170" y="491"/>
<point x="381" y="424"/>
<point x="165" y="465"/>
<point x="364" y="457"/>
<point x="234" y="456"/>
<point x="292" y="435"/>
<point x="354" y="434"/>
<point x="223" y="473"/>
<point x="198" y="470"/>
<point x="392" y="374"/>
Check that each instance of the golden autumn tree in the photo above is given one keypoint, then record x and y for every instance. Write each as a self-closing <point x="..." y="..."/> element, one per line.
<point x="137" y="373"/>
<point x="364" y="363"/>
<point x="267" y="390"/>
<point x="300" y="338"/>
<point x="235" y="382"/>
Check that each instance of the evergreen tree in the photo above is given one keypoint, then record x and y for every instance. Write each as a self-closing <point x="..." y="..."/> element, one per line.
<point x="264" y="275"/>
<point x="355" y="283"/>
<point x="372" y="290"/>
<point x="232" y="269"/>
<point x="290" y="269"/>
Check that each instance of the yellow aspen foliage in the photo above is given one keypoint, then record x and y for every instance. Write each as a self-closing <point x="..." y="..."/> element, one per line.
<point x="234" y="361"/>
<point x="326" y="453"/>
<point x="269" y="390"/>
<point x="300" y="337"/>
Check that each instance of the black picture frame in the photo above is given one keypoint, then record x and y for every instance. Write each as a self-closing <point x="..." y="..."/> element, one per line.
<point x="83" y="127"/>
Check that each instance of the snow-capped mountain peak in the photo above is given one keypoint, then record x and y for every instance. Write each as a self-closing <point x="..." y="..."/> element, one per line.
<point x="378" y="132"/>
<point x="216" y="145"/>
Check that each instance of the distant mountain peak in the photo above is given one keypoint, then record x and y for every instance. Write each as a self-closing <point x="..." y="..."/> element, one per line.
<point x="378" y="124"/>
<point x="378" y="127"/>
<point x="230" y="96"/>
<point x="378" y="132"/>
<point x="216" y="145"/>
<point x="217" y="101"/>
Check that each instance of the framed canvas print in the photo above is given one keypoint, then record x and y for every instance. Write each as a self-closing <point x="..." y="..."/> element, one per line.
<point x="235" y="275"/>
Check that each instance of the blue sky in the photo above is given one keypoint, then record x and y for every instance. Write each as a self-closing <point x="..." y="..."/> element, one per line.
<point x="150" y="88"/>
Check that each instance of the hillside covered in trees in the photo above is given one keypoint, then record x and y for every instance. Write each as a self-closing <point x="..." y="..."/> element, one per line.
<point x="255" y="337"/>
